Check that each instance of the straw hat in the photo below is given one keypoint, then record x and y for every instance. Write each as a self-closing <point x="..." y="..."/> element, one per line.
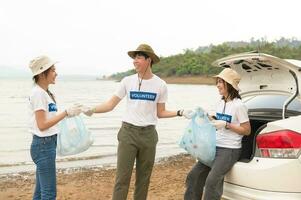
<point x="40" y="64"/>
<point x="230" y="76"/>
<point x="147" y="50"/>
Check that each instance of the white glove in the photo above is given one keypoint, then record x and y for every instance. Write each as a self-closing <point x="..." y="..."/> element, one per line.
<point x="211" y="117"/>
<point x="89" y="111"/>
<point x="74" y="110"/>
<point x="188" y="114"/>
<point x="219" y="124"/>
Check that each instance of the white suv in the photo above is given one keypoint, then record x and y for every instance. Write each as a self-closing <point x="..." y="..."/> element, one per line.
<point x="270" y="165"/>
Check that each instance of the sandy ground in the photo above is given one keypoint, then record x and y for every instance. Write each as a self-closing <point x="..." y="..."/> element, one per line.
<point x="167" y="182"/>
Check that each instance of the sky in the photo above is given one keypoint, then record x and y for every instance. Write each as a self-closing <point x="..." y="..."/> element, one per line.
<point x="92" y="37"/>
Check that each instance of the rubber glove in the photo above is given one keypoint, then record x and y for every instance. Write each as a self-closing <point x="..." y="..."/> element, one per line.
<point x="219" y="124"/>
<point x="89" y="111"/>
<point x="74" y="110"/>
<point x="188" y="114"/>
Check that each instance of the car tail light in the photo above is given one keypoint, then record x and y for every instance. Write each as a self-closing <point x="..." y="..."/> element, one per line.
<point x="279" y="144"/>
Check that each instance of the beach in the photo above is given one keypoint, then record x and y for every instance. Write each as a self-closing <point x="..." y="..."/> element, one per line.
<point x="167" y="182"/>
<point x="14" y="149"/>
<point x="91" y="174"/>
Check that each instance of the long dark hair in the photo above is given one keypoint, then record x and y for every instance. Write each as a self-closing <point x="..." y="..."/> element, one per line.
<point x="232" y="92"/>
<point x="36" y="79"/>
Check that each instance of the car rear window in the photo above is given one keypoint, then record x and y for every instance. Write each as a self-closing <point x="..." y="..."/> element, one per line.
<point x="272" y="102"/>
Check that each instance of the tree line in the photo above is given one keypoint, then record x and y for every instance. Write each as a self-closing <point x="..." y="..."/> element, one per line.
<point x="198" y="62"/>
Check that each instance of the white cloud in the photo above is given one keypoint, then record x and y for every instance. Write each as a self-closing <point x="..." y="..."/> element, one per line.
<point x="93" y="36"/>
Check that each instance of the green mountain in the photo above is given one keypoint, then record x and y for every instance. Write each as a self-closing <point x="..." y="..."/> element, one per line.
<point x="198" y="62"/>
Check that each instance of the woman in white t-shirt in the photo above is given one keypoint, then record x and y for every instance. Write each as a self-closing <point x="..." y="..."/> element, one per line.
<point x="43" y="126"/>
<point x="232" y="123"/>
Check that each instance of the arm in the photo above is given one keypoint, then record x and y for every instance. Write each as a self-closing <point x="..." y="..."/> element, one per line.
<point x="44" y="123"/>
<point x="108" y="105"/>
<point x="162" y="113"/>
<point x="242" y="129"/>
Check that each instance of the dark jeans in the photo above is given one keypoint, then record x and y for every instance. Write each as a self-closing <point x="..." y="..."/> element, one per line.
<point x="43" y="154"/>
<point x="212" y="178"/>
<point x="135" y="143"/>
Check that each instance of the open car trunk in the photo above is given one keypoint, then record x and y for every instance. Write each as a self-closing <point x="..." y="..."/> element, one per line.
<point x="258" y="120"/>
<point x="269" y="88"/>
<point x="263" y="73"/>
<point x="249" y="142"/>
<point x="263" y="109"/>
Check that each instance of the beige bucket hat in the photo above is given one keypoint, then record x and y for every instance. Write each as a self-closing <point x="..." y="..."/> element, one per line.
<point x="40" y="64"/>
<point x="145" y="48"/>
<point x="230" y="76"/>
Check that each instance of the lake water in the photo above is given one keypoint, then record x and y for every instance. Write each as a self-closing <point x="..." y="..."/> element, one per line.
<point x="15" y="138"/>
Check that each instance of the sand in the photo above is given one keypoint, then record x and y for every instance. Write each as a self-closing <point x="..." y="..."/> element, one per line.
<point x="167" y="182"/>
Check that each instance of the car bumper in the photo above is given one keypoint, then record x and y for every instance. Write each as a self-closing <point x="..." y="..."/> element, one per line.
<point x="267" y="174"/>
<point x="235" y="192"/>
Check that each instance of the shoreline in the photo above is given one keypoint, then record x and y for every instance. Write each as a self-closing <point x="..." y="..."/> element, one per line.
<point x="194" y="80"/>
<point x="197" y="80"/>
<point x="167" y="182"/>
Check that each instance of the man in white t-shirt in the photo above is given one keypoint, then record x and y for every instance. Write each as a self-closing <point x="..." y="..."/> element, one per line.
<point x="146" y="95"/>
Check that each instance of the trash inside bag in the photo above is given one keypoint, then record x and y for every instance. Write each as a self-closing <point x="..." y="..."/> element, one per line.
<point x="74" y="137"/>
<point x="199" y="138"/>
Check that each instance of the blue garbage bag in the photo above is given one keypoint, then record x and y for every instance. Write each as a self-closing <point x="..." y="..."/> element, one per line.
<point x="199" y="138"/>
<point x="74" y="137"/>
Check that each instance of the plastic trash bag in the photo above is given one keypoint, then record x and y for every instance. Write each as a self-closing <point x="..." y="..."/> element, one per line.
<point x="199" y="138"/>
<point x="74" y="137"/>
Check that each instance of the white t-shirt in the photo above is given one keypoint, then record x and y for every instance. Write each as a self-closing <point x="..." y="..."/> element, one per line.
<point x="234" y="112"/>
<point x="40" y="100"/>
<point x="141" y="107"/>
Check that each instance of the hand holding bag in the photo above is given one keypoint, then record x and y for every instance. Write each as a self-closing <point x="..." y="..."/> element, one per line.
<point x="74" y="137"/>
<point x="199" y="138"/>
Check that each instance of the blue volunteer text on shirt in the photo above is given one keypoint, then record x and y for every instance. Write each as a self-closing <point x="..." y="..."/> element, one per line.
<point x="52" y="107"/>
<point x="224" y="117"/>
<point x="137" y="95"/>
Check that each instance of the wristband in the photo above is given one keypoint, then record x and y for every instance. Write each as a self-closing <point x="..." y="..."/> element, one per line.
<point x="227" y="125"/>
<point x="179" y="113"/>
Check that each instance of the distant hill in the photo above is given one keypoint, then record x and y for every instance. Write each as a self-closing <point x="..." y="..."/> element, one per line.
<point x="256" y="44"/>
<point x="198" y="62"/>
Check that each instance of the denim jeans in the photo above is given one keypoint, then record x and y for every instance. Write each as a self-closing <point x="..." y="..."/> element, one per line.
<point x="43" y="154"/>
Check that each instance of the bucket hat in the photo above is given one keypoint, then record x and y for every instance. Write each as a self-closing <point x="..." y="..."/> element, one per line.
<point x="145" y="48"/>
<point x="40" y="64"/>
<point x="230" y="76"/>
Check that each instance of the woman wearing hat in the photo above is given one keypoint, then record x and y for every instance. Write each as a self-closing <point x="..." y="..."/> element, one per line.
<point x="232" y="123"/>
<point x="43" y="126"/>
<point x="146" y="95"/>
